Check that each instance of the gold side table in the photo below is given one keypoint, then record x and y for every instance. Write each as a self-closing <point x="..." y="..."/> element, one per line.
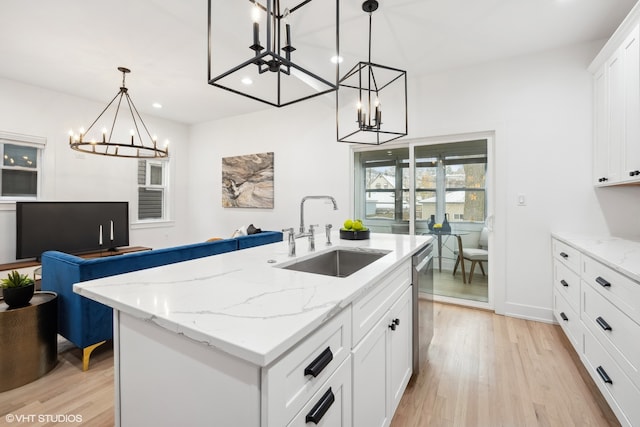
<point x="29" y="340"/>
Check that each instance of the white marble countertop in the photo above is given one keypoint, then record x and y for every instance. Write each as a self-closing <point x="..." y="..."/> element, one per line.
<point x="240" y="302"/>
<point x="619" y="254"/>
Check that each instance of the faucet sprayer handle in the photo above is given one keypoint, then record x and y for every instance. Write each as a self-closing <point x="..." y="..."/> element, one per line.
<point x="327" y="229"/>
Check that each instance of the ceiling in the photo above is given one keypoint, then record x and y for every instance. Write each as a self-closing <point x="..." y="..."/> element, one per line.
<point x="75" y="46"/>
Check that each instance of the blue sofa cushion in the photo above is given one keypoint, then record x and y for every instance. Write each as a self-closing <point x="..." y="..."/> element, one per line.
<point x="258" y="239"/>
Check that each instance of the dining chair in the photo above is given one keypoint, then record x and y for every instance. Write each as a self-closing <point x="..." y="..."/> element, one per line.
<point x="477" y="255"/>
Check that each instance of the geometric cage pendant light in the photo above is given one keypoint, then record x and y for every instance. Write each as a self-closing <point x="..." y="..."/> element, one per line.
<point x="371" y="101"/>
<point x="116" y="141"/>
<point x="274" y="51"/>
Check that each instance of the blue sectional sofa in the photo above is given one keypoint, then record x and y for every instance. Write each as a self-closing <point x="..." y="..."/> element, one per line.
<point x="87" y="323"/>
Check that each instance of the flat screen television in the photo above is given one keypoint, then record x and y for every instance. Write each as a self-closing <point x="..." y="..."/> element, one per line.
<point x="72" y="227"/>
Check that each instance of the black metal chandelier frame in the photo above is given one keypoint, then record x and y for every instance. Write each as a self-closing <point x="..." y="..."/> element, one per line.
<point x="369" y="93"/>
<point x="270" y="57"/>
<point x="133" y="149"/>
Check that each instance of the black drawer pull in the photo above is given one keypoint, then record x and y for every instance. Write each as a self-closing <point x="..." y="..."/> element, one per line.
<point x="319" y="363"/>
<point x="320" y="408"/>
<point x="564" y="255"/>
<point x="564" y="283"/>
<point x="603" y="375"/>
<point x="603" y="324"/>
<point x="564" y="317"/>
<point x="602" y="282"/>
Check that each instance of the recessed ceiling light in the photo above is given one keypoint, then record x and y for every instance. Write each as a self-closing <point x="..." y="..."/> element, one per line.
<point x="247" y="81"/>
<point x="156" y="105"/>
<point x="337" y="59"/>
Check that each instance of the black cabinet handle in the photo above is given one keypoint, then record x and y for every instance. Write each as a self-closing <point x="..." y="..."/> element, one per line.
<point x="392" y="326"/>
<point x="603" y="324"/>
<point x="320" y="408"/>
<point x="603" y="374"/>
<point x="602" y="282"/>
<point x="634" y="173"/>
<point x="396" y="321"/>
<point x="319" y="363"/>
<point x="564" y="283"/>
<point x="603" y="179"/>
<point x="564" y="255"/>
<point x="564" y="316"/>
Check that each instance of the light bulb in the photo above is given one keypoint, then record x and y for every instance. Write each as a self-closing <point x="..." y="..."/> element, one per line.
<point x="255" y="13"/>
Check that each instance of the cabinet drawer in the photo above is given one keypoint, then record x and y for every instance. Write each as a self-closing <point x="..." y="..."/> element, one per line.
<point x="567" y="283"/>
<point x="566" y="254"/>
<point x="370" y="308"/>
<point x="569" y="320"/>
<point x="621" y="394"/>
<point x="331" y="405"/>
<point x="623" y="292"/>
<point x="292" y="380"/>
<point x="617" y="333"/>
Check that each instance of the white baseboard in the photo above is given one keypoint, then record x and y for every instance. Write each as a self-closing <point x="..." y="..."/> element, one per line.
<point x="529" y="312"/>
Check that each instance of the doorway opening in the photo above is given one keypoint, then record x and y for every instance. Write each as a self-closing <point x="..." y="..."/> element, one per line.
<point x="439" y="189"/>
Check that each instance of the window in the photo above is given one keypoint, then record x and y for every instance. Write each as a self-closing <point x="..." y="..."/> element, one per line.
<point x="20" y="167"/>
<point x="449" y="179"/>
<point x="152" y="190"/>
<point x="386" y="186"/>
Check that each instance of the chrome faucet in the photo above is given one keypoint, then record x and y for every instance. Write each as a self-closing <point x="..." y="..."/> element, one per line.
<point x="312" y="237"/>
<point x="292" y="240"/>
<point x="304" y="199"/>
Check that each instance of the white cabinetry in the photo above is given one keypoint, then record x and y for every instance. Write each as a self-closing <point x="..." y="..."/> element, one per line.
<point x="616" y="88"/>
<point x="326" y="379"/>
<point x="566" y="291"/>
<point x="605" y="327"/>
<point x="382" y="360"/>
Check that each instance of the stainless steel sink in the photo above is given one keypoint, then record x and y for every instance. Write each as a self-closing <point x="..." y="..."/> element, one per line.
<point x="337" y="263"/>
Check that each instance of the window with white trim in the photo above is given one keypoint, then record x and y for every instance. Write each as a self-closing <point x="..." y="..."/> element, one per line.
<point x="152" y="190"/>
<point x="20" y="166"/>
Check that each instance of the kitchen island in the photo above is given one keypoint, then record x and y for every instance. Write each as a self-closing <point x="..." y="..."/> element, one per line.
<point x="214" y="341"/>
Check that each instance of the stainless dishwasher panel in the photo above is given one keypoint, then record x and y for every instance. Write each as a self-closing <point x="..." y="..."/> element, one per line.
<point x="422" y="281"/>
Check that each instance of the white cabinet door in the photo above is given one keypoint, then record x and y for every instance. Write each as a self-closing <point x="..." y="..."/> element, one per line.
<point x="399" y="355"/>
<point x="600" y="128"/>
<point x="631" y="75"/>
<point x="616" y="87"/>
<point x="370" y="379"/>
<point x="615" y="115"/>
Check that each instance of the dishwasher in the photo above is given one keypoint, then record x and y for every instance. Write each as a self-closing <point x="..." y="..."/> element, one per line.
<point x="422" y="300"/>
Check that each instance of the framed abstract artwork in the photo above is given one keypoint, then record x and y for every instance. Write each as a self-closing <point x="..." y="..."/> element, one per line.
<point x="247" y="181"/>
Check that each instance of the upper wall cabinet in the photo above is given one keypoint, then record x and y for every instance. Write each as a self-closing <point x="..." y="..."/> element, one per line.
<point x="616" y="89"/>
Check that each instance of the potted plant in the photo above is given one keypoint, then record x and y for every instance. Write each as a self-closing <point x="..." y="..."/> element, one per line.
<point x="17" y="289"/>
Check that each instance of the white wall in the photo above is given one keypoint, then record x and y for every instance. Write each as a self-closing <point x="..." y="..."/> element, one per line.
<point x="70" y="175"/>
<point x="307" y="161"/>
<point x="539" y="107"/>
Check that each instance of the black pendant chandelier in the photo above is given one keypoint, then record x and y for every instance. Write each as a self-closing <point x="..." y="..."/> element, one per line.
<point x="135" y="145"/>
<point x="361" y="95"/>
<point x="280" y="59"/>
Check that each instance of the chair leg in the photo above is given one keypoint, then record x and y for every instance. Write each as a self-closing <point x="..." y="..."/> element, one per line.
<point x="455" y="267"/>
<point x="482" y="268"/>
<point x="473" y="267"/>
<point x="86" y="353"/>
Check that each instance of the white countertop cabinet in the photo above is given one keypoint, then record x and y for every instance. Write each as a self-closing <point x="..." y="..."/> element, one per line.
<point x="605" y="328"/>
<point x="234" y="340"/>
<point x="616" y="88"/>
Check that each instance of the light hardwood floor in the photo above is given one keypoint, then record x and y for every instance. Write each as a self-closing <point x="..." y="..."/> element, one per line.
<point x="482" y="370"/>
<point x="446" y="284"/>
